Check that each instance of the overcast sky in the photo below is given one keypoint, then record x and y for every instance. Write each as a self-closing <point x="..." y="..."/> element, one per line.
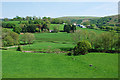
<point x="58" y="9"/>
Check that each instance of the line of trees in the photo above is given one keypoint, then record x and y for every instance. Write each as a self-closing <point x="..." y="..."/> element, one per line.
<point x="34" y="18"/>
<point x="28" y="26"/>
<point x="31" y="24"/>
<point x="8" y="25"/>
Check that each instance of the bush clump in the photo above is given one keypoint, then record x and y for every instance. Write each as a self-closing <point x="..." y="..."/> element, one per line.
<point x="69" y="53"/>
<point x="19" y="48"/>
<point x="81" y="48"/>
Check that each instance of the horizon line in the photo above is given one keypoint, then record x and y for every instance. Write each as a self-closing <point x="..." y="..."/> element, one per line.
<point x="63" y="16"/>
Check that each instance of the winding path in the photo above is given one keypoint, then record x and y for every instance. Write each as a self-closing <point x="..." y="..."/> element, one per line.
<point x="14" y="46"/>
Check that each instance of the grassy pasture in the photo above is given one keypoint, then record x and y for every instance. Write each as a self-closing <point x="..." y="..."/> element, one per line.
<point x="50" y="41"/>
<point x="61" y="26"/>
<point x="15" y="22"/>
<point x="61" y="40"/>
<point x="54" y="40"/>
<point x="50" y="65"/>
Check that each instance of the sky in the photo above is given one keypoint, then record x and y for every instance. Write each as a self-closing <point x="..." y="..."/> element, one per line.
<point x="58" y="9"/>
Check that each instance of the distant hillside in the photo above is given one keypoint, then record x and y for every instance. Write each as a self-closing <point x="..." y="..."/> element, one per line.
<point x="78" y="19"/>
<point x="107" y="20"/>
<point x="113" y="19"/>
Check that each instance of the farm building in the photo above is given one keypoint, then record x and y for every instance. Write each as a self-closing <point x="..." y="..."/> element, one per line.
<point x="74" y="24"/>
<point x="82" y="26"/>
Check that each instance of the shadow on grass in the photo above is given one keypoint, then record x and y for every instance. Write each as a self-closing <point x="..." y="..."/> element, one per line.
<point x="66" y="49"/>
<point x="103" y="51"/>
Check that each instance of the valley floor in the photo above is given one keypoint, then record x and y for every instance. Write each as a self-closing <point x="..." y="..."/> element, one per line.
<point x="51" y="65"/>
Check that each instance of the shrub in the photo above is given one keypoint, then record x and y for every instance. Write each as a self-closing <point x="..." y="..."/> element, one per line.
<point x="37" y="30"/>
<point x="9" y="41"/>
<point x="55" y="29"/>
<point x="17" y="29"/>
<point x="92" y="26"/>
<point x="108" y="28"/>
<point x="19" y="48"/>
<point x="79" y="35"/>
<point x="27" y="38"/>
<point x="117" y="44"/>
<point x="10" y="25"/>
<point x="67" y="28"/>
<point x="4" y="24"/>
<point x="9" y="37"/>
<point x="69" y="54"/>
<point x="73" y="28"/>
<point x="105" y="41"/>
<point x="81" y="48"/>
<point x="31" y="28"/>
<point x="118" y="29"/>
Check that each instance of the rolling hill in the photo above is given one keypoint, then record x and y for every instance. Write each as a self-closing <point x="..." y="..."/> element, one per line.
<point x="100" y="21"/>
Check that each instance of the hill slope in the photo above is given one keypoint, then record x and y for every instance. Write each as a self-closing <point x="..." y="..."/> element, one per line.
<point x="78" y="19"/>
<point x="94" y="20"/>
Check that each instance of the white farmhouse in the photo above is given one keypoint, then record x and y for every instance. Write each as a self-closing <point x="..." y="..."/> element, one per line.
<point x="64" y="23"/>
<point x="82" y="26"/>
<point x="74" y="24"/>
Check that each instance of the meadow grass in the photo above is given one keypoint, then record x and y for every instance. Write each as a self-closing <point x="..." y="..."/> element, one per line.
<point x="60" y="26"/>
<point x="60" y="40"/>
<point x="53" y="40"/>
<point x="50" y="65"/>
<point x="14" y="22"/>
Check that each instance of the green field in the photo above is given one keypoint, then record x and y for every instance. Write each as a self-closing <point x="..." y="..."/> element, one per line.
<point x="61" y="40"/>
<point x="50" y="65"/>
<point x="65" y="40"/>
<point x="15" y="22"/>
